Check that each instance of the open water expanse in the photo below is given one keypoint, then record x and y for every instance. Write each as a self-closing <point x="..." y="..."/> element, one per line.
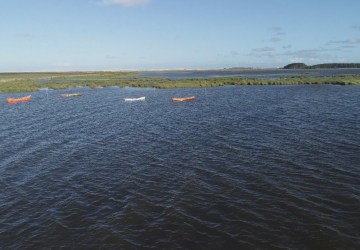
<point x="248" y="73"/>
<point x="246" y="167"/>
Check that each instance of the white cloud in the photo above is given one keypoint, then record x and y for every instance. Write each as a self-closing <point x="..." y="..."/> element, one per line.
<point x="312" y="56"/>
<point x="126" y="3"/>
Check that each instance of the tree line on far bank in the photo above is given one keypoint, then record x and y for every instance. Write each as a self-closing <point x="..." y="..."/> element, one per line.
<point x="323" y="66"/>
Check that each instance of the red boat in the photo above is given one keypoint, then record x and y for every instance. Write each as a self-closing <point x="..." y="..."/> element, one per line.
<point x="21" y="99"/>
<point x="183" y="99"/>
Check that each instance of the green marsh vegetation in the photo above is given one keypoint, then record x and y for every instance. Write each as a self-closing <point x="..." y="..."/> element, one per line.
<point x="29" y="82"/>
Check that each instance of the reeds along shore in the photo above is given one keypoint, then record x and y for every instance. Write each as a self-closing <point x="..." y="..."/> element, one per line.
<point x="29" y="82"/>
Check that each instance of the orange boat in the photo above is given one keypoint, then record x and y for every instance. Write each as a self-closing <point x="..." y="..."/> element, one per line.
<point x="183" y="99"/>
<point x="16" y="100"/>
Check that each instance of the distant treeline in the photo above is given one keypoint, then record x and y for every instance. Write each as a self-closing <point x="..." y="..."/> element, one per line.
<point x="323" y="66"/>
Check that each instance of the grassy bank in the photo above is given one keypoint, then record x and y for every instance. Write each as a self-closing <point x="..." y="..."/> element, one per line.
<point x="28" y="82"/>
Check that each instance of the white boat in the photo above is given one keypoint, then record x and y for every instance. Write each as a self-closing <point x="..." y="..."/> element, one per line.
<point x="71" y="94"/>
<point x="135" y="99"/>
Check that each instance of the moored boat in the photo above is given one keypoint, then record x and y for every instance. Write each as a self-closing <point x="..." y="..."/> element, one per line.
<point x="71" y="94"/>
<point x="183" y="99"/>
<point x="135" y="99"/>
<point x="21" y="99"/>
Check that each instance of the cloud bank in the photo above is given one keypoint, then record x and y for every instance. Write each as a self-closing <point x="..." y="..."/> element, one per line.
<point x="126" y="3"/>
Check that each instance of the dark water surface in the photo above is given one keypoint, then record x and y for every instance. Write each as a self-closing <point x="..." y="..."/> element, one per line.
<point x="265" y="167"/>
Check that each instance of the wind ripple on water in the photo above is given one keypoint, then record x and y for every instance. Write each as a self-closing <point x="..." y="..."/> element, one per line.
<point x="262" y="167"/>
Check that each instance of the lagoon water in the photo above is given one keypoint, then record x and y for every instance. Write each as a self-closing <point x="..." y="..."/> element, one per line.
<point x="248" y="73"/>
<point x="245" y="167"/>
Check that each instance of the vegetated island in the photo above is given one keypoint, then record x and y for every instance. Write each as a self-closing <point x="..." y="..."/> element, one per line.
<point x="323" y="66"/>
<point x="29" y="82"/>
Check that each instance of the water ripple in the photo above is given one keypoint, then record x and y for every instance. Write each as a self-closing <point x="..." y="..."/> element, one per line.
<point x="260" y="167"/>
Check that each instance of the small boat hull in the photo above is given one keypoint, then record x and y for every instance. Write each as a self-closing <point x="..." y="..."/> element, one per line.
<point x="135" y="99"/>
<point x="17" y="100"/>
<point x="71" y="95"/>
<point x="183" y="99"/>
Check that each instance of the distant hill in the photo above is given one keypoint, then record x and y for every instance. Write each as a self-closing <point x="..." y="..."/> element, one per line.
<point x="323" y="66"/>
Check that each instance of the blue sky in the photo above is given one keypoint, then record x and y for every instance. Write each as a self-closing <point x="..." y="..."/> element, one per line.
<point x="67" y="35"/>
